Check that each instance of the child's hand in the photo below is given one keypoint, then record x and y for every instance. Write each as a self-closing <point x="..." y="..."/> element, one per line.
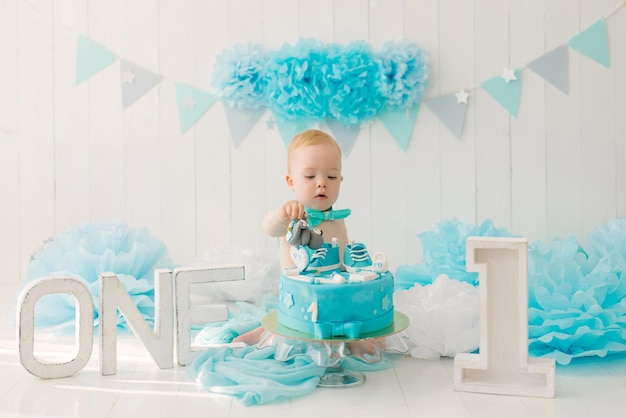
<point x="291" y="210"/>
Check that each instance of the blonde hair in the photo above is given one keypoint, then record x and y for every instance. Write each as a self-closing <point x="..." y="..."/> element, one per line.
<point x="310" y="137"/>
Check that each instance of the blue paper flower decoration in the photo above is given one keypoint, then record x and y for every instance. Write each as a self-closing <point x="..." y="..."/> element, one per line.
<point x="312" y="81"/>
<point x="86" y="251"/>
<point x="352" y="83"/>
<point x="295" y="81"/>
<point x="445" y="249"/>
<point x="239" y="76"/>
<point x="609" y="239"/>
<point x="576" y="296"/>
<point x="404" y="74"/>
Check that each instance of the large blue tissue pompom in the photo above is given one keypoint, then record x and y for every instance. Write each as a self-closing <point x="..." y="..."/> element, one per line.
<point x="295" y="81"/>
<point x="239" y="76"/>
<point x="83" y="252"/>
<point x="313" y="81"/>
<point x="445" y="250"/>
<point x="576" y="295"/>
<point x="352" y="84"/>
<point x="403" y="73"/>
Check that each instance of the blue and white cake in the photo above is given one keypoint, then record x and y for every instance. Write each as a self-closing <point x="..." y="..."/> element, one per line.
<point x="321" y="299"/>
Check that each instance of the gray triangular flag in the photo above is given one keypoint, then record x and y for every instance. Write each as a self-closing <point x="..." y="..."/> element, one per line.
<point x="345" y="135"/>
<point x="554" y="67"/>
<point x="241" y="122"/>
<point x="135" y="82"/>
<point x="449" y="112"/>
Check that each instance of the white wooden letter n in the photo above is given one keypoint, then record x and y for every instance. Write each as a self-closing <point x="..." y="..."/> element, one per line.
<point x="158" y="342"/>
<point x="502" y="366"/>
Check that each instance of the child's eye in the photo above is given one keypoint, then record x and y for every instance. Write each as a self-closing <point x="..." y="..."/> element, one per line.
<point x="309" y="177"/>
<point x="332" y="177"/>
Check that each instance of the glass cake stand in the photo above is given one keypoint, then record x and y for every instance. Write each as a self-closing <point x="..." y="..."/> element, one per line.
<point x="335" y="376"/>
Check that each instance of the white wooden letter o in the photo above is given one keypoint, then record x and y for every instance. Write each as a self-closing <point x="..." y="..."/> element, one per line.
<point x="26" y="326"/>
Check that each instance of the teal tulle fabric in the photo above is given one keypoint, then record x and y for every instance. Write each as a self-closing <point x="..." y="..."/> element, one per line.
<point x="253" y="375"/>
<point x="276" y="367"/>
<point x="85" y="251"/>
<point x="576" y="306"/>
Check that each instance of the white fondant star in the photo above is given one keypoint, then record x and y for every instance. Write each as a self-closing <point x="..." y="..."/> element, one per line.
<point x="270" y="123"/>
<point x="508" y="75"/>
<point x="386" y="303"/>
<point x="288" y="301"/>
<point x="461" y="96"/>
<point x="190" y="103"/>
<point x="128" y="76"/>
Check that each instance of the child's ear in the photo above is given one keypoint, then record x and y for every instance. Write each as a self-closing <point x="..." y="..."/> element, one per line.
<point x="289" y="181"/>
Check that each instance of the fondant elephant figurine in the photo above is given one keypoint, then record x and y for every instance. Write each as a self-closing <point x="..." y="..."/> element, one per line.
<point x="299" y="234"/>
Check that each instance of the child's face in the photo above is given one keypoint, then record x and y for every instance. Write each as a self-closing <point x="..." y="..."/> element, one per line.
<point x="315" y="175"/>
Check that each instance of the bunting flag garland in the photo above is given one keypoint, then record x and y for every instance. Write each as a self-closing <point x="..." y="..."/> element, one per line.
<point x="553" y="67"/>
<point x="345" y="135"/>
<point x="594" y="43"/>
<point x="91" y="58"/>
<point x="450" y="108"/>
<point x="135" y="82"/>
<point x="192" y="104"/>
<point x="288" y="128"/>
<point x="506" y="90"/>
<point x="240" y="122"/>
<point x="400" y="124"/>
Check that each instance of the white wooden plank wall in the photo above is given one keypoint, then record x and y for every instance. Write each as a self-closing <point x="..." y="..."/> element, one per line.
<point x="70" y="154"/>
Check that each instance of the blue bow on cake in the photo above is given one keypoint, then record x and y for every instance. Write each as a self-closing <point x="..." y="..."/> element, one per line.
<point x="328" y="329"/>
<point x="316" y="217"/>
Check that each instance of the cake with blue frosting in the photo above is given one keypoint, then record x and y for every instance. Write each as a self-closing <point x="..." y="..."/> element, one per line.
<point x="326" y="298"/>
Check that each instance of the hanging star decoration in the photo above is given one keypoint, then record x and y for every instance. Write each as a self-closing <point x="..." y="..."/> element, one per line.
<point x="190" y="103"/>
<point x="270" y="123"/>
<point x="461" y="97"/>
<point x="128" y="76"/>
<point x="508" y="75"/>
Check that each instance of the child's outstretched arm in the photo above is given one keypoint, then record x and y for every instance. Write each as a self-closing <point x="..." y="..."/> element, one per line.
<point x="276" y="221"/>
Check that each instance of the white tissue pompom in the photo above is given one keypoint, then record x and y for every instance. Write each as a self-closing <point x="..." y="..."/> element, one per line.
<point x="443" y="317"/>
<point x="261" y="269"/>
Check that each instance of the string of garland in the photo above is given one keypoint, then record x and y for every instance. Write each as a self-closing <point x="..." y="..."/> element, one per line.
<point x="312" y="80"/>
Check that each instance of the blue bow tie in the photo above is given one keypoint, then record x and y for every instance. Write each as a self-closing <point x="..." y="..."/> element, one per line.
<point x="315" y="217"/>
<point x="327" y="330"/>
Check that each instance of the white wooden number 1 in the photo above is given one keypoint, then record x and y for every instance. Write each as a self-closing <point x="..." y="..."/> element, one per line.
<point x="503" y="366"/>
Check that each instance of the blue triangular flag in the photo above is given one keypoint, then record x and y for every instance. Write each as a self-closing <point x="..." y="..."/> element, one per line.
<point x="192" y="104"/>
<point x="594" y="43"/>
<point x="507" y="94"/>
<point x="288" y="128"/>
<point x="554" y="67"/>
<point x="135" y="82"/>
<point x="241" y="122"/>
<point x="345" y="135"/>
<point x="400" y="123"/>
<point x="91" y="58"/>
<point x="450" y="112"/>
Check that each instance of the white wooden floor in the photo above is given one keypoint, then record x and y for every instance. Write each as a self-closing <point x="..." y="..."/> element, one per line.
<point x="415" y="388"/>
